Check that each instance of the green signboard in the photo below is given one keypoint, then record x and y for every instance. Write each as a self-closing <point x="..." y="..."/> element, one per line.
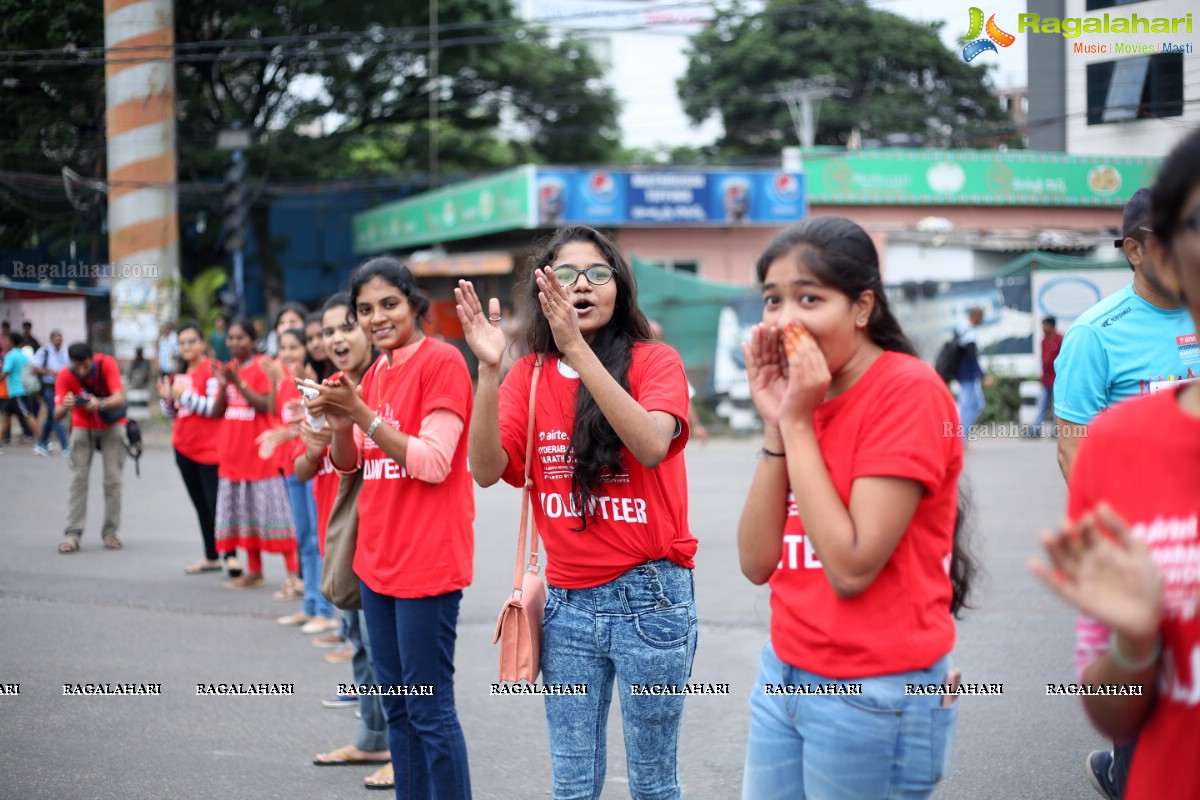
<point x="501" y="202"/>
<point x="973" y="177"/>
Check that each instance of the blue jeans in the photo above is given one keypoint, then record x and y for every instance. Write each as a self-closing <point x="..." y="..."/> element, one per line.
<point x="413" y="644"/>
<point x="372" y="725"/>
<point x="880" y="745"/>
<point x="304" y="513"/>
<point x="638" y="629"/>
<point x="970" y="403"/>
<point x="1045" y="403"/>
<point x="51" y="422"/>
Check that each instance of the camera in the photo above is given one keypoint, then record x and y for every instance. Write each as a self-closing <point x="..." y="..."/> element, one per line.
<point x="82" y="400"/>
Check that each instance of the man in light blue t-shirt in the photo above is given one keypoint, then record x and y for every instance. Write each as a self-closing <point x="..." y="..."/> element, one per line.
<point x="16" y="404"/>
<point x="1134" y="342"/>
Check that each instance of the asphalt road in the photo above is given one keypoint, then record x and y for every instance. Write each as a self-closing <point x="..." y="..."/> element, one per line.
<point x="133" y="617"/>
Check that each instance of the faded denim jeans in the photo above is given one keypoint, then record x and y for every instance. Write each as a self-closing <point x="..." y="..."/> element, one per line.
<point x="879" y="745"/>
<point x="636" y="630"/>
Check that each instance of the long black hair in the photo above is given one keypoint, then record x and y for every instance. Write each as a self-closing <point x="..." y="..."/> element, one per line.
<point x="843" y="257"/>
<point x="392" y="271"/>
<point x="594" y="445"/>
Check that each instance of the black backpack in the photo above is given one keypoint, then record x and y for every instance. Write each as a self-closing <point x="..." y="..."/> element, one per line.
<point x="949" y="359"/>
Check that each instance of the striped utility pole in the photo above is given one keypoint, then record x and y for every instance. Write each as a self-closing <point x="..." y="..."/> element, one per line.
<point x="143" y="216"/>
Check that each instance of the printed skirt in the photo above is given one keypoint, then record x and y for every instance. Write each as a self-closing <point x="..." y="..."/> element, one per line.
<point x="254" y="515"/>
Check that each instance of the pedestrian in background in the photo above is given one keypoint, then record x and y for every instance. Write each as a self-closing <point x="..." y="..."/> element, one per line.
<point x="216" y="339"/>
<point x="196" y="400"/>
<point x="50" y="360"/>
<point x="91" y="390"/>
<point x="405" y="427"/>
<point x="853" y="518"/>
<point x="620" y="604"/>
<point x="168" y="349"/>
<point x="971" y="377"/>
<point x="1051" y="344"/>
<point x="1126" y="558"/>
<point x="18" y="404"/>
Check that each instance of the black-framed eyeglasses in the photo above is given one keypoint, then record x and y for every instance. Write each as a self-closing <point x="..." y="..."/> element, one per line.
<point x="597" y="274"/>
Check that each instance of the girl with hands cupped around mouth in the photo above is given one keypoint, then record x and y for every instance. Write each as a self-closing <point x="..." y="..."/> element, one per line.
<point x="852" y="518"/>
<point x="610" y="489"/>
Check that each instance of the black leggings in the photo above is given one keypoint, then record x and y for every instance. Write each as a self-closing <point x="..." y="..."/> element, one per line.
<point x="201" y="482"/>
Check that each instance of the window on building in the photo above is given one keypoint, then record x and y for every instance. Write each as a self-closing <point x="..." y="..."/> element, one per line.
<point x="1131" y="88"/>
<point x="1093" y="5"/>
<point x="681" y="265"/>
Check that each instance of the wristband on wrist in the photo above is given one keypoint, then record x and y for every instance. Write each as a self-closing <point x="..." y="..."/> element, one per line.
<point x="767" y="452"/>
<point x="1133" y="666"/>
<point x="375" y="423"/>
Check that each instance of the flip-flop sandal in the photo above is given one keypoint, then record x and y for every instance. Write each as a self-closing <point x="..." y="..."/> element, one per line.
<point x="111" y="542"/>
<point x="244" y="582"/>
<point x="382" y="778"/>
<point x="341" y="758"/>
<point x="235" y="568"/>
<point x="70" y="545"/>
<point x="202" y="566"/>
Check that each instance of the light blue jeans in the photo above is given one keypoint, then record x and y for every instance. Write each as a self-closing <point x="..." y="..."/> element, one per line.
<point x="636" y="630"/>
<point x="970" y="403"/>
<point x="1045" y="403"/>
<point x="880" y="745"/>
<point x="304" y="513"/>
<point x="372" y="724"/>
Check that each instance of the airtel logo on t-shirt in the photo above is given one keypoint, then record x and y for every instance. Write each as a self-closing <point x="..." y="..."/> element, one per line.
<point x="553" y="436"/>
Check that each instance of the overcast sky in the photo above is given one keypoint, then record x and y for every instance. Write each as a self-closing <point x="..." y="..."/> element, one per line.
<point x="1009" y="67"/>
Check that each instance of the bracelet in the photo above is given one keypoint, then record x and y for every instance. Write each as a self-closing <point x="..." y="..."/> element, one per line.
<point x="374" y="424"/>
<point x="767" y="452"/>
<point x="1133" y="666"/>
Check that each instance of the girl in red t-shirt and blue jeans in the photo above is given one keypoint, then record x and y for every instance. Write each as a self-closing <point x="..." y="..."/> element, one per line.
<point x="852" y="518"/>
<point x="405" y="427"/>
<point x="610" y="503"/>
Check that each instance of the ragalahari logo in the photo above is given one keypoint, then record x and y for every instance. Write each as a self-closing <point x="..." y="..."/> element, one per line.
<point x="978" y="46"/>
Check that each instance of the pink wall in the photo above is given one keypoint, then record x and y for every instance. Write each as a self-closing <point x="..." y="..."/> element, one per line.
<point x="728" y="254"/>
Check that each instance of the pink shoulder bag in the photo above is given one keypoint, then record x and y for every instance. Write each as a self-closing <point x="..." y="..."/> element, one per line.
<point x="519" y="628"/>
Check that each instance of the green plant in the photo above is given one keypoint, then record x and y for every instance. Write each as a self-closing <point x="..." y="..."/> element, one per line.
<point x="198" y="297"/>
<point x="1001" y="401"/>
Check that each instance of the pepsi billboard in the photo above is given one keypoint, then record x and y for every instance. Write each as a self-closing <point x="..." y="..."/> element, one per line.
<point x="668" y="198"/>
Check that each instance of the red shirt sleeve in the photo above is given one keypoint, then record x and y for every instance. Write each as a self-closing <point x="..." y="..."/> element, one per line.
<point x="659" y="383"/>
<point x="906" y="436"/>
<point x="111" y="375"/>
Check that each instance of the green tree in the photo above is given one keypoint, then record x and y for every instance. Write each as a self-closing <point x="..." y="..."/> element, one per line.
<point x="897" y="75"/>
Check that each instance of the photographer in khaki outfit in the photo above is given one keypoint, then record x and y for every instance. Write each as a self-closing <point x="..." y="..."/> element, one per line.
<point x="90" y="389"/>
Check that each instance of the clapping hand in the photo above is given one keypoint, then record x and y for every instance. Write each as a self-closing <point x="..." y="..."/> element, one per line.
<point x="482" y="331"/>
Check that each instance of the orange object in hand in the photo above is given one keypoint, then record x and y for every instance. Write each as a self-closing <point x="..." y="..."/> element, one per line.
<point x="794" y="333"/>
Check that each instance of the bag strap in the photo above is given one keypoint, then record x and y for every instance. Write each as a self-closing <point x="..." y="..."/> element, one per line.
<point x="526" y="491"/>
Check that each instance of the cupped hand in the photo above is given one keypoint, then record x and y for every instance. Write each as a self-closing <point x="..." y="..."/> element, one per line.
<point x="560" y="313"/>
<point x="483" y="335"/>
<point x="808" y="380"/>
<point x="339" y="398"/>
<point x="315" y="442"/>
<point x="764" y="369"/>
<point x="1098" y="566"/>
<point x="163" y="387"/>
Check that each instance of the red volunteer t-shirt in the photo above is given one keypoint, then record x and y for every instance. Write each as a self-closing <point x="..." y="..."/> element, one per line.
<point x="897" y="421"/>
<point x="415" y="539"/>
<point x="196" y="435"/>
<point x="237" y="451"/>
<point x="641" y="514"/>
<point x="104" y="380"/>
<point x="1142" y="456"/>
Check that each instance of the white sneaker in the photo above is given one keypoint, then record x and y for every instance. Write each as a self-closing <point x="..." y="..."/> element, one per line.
<point x="66" y="452"/>
<point x="40" y="451"/>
